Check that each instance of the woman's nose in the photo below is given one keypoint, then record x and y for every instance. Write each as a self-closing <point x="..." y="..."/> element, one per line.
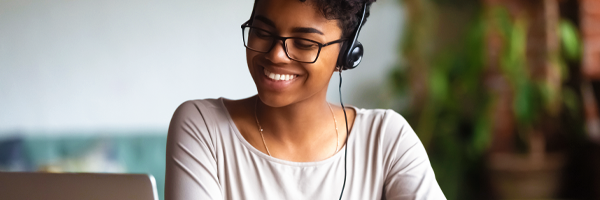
<point x="277" y="53"/>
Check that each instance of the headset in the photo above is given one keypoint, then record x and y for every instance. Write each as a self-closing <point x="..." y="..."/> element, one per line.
<point x="350" y="56"/>
<point x="351" y="52"/>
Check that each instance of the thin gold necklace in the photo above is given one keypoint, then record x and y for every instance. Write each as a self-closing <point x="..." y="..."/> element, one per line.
<point x="337" y="134"/>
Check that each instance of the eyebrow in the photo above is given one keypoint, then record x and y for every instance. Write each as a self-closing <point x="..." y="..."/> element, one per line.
<point x="295" y="29"/>
<point x="306" y="30"/>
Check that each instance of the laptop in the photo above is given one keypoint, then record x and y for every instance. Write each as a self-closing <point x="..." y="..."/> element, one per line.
<point x="76" y="186"/>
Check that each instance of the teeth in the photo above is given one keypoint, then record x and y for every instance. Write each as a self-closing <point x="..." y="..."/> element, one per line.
<point x="279" y="77"/>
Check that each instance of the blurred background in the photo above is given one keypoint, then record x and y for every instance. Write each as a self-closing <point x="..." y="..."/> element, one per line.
<point x="502" y="93"/>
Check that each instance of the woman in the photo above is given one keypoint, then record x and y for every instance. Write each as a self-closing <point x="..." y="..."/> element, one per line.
<point x="288" y="142"/>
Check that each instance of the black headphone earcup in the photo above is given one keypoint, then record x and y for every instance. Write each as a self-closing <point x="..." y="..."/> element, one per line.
<point x="355" y="56"/>
<point x="341" y="61"/>
<point x="350" y="58"/>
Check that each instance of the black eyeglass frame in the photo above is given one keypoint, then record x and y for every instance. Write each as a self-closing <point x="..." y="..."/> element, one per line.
<point x="283" y="39"/>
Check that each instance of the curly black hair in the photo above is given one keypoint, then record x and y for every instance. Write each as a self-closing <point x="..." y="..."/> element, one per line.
<point x="347" y="12"/>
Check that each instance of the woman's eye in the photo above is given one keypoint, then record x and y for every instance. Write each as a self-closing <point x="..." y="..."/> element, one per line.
<point x="302" y="44"/>
<point x="262" y="34"/>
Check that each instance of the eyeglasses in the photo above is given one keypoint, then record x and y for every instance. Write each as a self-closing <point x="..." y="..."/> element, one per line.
<point x="297" y="49"/>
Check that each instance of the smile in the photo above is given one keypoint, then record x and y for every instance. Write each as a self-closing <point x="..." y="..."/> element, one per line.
<point x="279" y="77"/>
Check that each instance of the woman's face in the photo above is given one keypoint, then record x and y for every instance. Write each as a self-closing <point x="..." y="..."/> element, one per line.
<point x="292" y="18"/>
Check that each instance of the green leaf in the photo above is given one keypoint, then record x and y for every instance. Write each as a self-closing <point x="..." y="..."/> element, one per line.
<point x="570" y="40"/>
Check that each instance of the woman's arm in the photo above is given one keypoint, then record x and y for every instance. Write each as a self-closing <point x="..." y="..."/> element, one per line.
<point x="410" y="176"/>
<point x="191" y="171"/>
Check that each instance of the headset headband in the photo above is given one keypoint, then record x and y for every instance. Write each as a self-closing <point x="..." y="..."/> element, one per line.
<point x="352" y="52"/>
<point x="360" y="23"/>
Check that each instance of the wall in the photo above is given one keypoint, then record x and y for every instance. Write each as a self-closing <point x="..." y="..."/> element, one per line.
<point x="590" y="19"/>
<point x="127" y="64"/>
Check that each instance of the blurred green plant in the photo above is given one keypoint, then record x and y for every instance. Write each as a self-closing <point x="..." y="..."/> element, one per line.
<point x="452" y="90"/>
<point x="571" y="42"/>
<point x="448" y="105"/>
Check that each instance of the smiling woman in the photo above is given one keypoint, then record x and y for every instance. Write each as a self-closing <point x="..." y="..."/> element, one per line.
<point x="286" y="142"/>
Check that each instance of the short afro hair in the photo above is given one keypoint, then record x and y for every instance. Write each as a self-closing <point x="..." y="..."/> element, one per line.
<point x="347" y="12"/>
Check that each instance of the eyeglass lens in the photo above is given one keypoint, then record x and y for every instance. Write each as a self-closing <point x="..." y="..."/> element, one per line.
<point x="298" y="49"/>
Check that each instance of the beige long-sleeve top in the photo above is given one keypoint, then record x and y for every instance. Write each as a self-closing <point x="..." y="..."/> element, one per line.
<point x="208" y="159"/>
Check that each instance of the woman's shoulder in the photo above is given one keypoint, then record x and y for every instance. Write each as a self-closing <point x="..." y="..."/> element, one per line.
<point x="200" y="112"/>
<point x="405" y="162"/>
<point x="202" y="106"/>
<point x="390" y="133"/>
<point x="386" y="126"/>
<point x="196" y="104"/>
<point x="380" y="117"/>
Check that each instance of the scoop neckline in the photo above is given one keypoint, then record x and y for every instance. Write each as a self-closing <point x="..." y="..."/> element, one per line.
<point x="259" y="153"/>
